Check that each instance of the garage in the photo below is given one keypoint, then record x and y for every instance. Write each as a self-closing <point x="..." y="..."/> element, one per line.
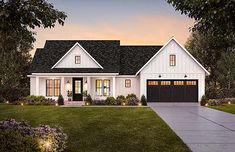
<point x="172" y="90"/>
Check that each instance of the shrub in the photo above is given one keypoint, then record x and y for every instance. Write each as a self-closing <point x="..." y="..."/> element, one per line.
<point x="110" y="101"/>
<point x="88" y="100"/>
<point x="143" y="100"/>
<point x="60" y="100"/>
<point x="23" y="132"/>
<point x="98" y="102"/>
<point x="35" y="100"/>
<point x="132" y="99"/>
<point x="14" y="141"/>
<point x="204" y="100"/>
<point x="120" y="100"/>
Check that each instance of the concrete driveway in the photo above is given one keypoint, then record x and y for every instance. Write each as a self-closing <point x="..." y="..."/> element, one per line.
<point x="202" y="129"/>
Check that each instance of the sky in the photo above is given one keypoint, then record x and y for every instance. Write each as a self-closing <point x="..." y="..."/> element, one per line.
<point x="133" y="22"/>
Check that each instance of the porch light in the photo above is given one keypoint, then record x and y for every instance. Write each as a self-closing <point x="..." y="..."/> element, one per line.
<point x="85" y="85"/>
<point x="68" y="85"/>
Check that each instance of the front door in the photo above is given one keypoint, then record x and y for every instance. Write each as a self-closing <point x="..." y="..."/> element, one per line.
<point x="77" y="89"/>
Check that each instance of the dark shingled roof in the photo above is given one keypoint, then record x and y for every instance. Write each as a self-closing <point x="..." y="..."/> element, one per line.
<point x="125" y="60"/>
<point x="133" y="58"/>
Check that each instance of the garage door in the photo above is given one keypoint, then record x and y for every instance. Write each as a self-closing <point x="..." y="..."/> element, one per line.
<point x="172" y="90"/>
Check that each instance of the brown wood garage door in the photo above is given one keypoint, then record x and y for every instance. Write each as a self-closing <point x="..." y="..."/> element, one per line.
<point x="172" y="90"/>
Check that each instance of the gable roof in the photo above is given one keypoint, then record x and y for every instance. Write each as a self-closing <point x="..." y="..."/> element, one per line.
<point x="105" y="52"/>
<point x="172" y="39"/>
<point x="112" y="58"/>
<point x="77" y="44"/>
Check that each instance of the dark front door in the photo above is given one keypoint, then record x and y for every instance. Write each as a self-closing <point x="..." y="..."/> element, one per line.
<point x="172" y="90"/>
<point x="77" y="89"/>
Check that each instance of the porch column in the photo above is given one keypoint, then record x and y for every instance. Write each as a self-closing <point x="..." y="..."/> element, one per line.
<point x="89" y="85"/>
<point x="37" y="86"/>
<point x="62" y="88"/>
<point x="114" y="87"/>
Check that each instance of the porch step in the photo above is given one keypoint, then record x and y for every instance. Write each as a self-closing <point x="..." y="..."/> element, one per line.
<point x="73" y="104"/>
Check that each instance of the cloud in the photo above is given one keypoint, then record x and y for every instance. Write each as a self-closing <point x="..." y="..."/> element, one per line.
<point x="145" y="30"/>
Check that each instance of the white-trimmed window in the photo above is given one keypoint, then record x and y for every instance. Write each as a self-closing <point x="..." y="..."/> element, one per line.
<point x="102" y="87"/>
<point x="172" y="60"/>
<point x="77" y="59"/>
<point x="53" y="87"/>
<point x="127" y="83"/>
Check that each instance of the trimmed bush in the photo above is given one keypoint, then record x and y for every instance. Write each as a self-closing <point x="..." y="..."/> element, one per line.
<point x="88" y="100"/>
<point x="98" y="102"/>
<point x="132" y="99"/>
<point x="21" y="135"/>
<point x="110" y="101"/>
<point x="204" y="100"/>
<point x="120" y="100"/>
<point x="143" y="100"/>
<point x="60" y="100"/>
<point x="35" y="100"/>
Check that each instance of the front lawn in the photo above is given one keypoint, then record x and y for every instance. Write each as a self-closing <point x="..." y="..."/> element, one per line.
<point x="102" y="129"/>
<point x="230" y="108"/>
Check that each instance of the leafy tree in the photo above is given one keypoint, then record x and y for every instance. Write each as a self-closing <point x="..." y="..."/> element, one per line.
<point x="226" y="72"/>
<point x="17" y="20"/>
<point x="216" y="17"/>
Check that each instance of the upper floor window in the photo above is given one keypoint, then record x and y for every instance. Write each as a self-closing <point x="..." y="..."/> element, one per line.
<point x="78" y="59"/>
<point x="127" y="83"/>
<point x="172" y="60"/>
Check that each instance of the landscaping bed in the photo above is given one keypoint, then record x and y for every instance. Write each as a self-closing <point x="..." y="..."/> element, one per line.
<point x="102" y="129"/>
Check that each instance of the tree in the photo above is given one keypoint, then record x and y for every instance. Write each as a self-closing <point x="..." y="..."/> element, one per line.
<point x="215" y="17"/>
<point x="226" y="73"/>
<point x="17" y="20"/>
<point x="207" y="49"/>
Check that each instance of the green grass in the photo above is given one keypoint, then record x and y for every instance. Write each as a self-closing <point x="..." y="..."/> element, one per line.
<point x="103" y="129"/>
<point x="230" y="108"/>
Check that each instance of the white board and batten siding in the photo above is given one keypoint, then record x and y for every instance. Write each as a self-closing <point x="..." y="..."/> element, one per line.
<point x="122" y="90"/>
<point x="185" y="65"/>
<point x="68" y="60"/>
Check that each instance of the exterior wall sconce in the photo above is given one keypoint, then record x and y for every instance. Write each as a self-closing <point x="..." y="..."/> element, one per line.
<point x="159" y="76"/>
<point x="68" y="86"/>
<point x="185" y="76"/>
<point x="85" y="86"/>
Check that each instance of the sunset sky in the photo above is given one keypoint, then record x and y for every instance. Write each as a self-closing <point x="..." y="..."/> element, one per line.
<point x="146" y="22"/>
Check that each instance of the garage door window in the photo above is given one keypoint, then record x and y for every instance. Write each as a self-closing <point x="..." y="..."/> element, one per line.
<point x="178" y="82"/>
<point x="165" y="82"/>
<point x="191" y="83"/>
<point x="152" y="83"/>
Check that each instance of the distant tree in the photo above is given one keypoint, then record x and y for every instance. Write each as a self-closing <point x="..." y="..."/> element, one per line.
<point x="226" y="72"/>
<point x="216" y="17"/>
<point x="17" y="20"/>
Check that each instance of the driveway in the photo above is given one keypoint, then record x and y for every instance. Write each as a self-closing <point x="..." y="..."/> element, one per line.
<point x="202" y="129"/>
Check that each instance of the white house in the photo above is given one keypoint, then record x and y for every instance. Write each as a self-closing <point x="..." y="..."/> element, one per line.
<point x="104" y="68"/>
